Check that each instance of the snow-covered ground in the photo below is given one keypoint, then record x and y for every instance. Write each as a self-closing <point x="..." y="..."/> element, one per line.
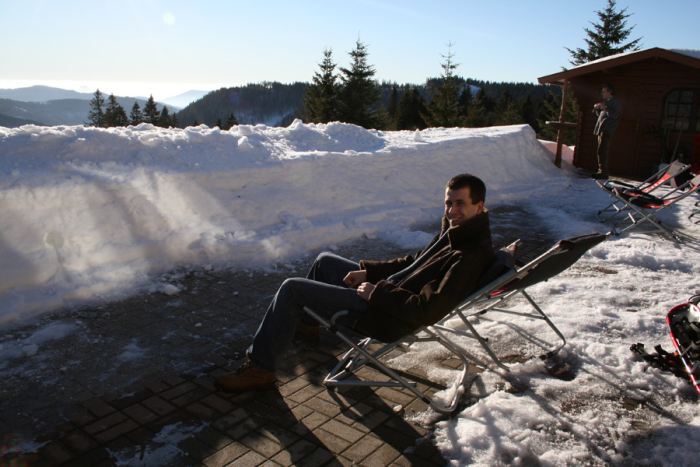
<point x="91" y="214"/>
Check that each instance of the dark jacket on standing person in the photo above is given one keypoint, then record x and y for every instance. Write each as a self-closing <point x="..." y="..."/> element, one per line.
<point x="608" y="117"/>
<point x="434" y="288"/>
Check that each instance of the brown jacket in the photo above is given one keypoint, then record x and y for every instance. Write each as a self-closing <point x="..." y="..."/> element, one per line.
<point x="431" y="291"/>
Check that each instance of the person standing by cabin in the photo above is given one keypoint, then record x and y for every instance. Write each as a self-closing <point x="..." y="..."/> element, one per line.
<point x="608" y="112"/>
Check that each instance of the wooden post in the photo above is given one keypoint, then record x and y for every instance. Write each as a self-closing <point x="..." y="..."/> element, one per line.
<point x="560" y="129"/>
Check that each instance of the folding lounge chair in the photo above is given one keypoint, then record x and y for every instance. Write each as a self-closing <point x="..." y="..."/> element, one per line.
<point x="641" y="208"/>
<point x="666" y="176"/>
<point x="502" y="281"/>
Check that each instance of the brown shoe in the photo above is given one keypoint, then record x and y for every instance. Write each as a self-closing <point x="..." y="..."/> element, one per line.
<point x="245" y="378"/>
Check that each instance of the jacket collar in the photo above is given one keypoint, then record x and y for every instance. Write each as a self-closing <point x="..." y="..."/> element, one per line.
<point x="471" y="232"/>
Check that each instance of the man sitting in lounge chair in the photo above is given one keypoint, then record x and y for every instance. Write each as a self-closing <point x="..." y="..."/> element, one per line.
<point x="381" y="299"/>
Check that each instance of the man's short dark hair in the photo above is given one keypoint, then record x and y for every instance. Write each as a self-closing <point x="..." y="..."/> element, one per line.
<point x="477" y="188"/>
<point x="610" y="88"/>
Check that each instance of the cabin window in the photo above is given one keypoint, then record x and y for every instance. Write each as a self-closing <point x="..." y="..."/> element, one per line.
<point x="681" y="110"/>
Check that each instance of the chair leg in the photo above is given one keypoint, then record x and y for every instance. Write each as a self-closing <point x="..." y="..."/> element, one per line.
<point x="532" y="302"/>
<point x="359" y="355"/>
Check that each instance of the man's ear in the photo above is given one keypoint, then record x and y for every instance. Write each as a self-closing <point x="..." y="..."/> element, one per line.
<point x="480" y="209"/>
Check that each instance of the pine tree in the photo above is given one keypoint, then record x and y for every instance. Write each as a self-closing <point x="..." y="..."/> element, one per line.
<point x="411" y="108"/>
<point x="443" y="109"/>
<point x="550" y="109"/>
<point x="529" y="116"/>
<point x="231" y="121"/>
<point x="392" y="107"/>
<point x="164" y="118"/>
<point x="219" y="124"/>
<point x="607" y="36"/>
<point x="136" y="115"/>
<point x="96" y="114"/>
<point x="150" y="111"/>
<point x="479" y="114"/>
<point x="321" y="98"/>
<point x="465" y="100"/>
<point x="359" y="95"/>
<point x="114" y="115"/>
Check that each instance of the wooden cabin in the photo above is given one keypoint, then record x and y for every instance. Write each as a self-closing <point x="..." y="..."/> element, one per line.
<point x="659" y="91"/>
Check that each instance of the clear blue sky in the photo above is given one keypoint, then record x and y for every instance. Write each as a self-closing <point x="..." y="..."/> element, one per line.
<point x="142" y="47"/>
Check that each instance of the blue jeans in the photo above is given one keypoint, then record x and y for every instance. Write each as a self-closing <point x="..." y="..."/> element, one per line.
<point x="322" y="290"/>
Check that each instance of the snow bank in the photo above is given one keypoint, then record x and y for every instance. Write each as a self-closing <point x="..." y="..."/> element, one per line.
<point x="89" y="212"/>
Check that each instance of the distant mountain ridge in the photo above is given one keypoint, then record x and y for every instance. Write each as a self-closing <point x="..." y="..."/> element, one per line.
<point x="270" y="103"/>
<point x="57" y="111"/>
<point x="42" y="94"/>
<point x="186" y="98"/>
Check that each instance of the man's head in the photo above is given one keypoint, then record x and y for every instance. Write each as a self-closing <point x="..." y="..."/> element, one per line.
<point x="607" y="91"/>
<point x="464" y="198"/>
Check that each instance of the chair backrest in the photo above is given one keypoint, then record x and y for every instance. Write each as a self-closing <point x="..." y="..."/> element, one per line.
<point x="652" y="202"/>
<point x="503" y="262"/>
<point x="675" y="169"/>
<point x="555" y="260"/>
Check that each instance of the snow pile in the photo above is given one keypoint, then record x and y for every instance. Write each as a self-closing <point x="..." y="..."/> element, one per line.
<point x="88" y="212"/>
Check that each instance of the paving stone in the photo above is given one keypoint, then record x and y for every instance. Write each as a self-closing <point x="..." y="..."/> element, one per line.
<point x="173" y="380"/>
<point x="232" y="419"/>
<point x="300" y="411"/>
<point x="98" y="407"/>
<point x="225" y="455"/>
<point x="116" y="431"/>
<point x="318" y="457"/>
<point x="371" y="420"/>
<point x="329" y="440"/>
<point x="207" y="382"/>
<point x="104" y="423"/>
<point x="79" y="441"/>
<point x="140" y="414"/>
<point x="397" y="397"/>
<point x="158" y="405"/>
<point x="201" y="411"/>
<point x="178" y="390"/>
<point x="383" y="456"/>
<point x="320" y="405"/>
<point x="155" y="385"/>
<point x="261" y="444"/>
<point x="306" y="393"/>
<point x="402" y="426"/>
<point x="293" y="386"/>
<point x="195" y="448"/>
<point x="294" y="452"/>
<point x="276" y="433"/>
<point x="218" y="403"/>
<point x="314" y="420"/>
<point x="80" y="415"/>
<point x="243" y="428"/>
<point x="362" y="448"/>
<point x="400" y="441"/>
<point x="192" y="396"/>
<point x="250" y="459"/>
<point x="127" y="401"/>
<point x="342" y="430"/>
<point x="213" y="438"/>
<point x="140" y="435"/>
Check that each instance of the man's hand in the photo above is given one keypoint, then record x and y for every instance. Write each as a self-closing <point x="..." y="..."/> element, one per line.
<point x="355" y="278"/>
<point x="365" y="290"/>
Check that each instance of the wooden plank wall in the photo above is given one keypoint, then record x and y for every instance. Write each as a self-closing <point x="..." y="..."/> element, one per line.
<point x="637" y="146"/>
